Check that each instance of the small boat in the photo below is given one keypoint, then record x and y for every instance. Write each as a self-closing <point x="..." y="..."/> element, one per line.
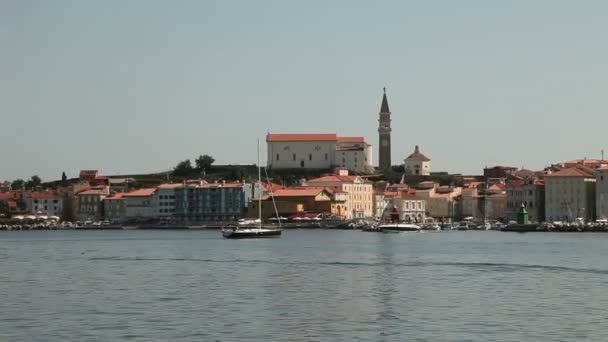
<point x="243" y="231"/>
<point x="399" y="227"/>
<point x="236" y="232"/>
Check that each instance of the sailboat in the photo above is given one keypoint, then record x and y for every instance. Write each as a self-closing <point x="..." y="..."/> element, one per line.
<point x="258" y="230"/>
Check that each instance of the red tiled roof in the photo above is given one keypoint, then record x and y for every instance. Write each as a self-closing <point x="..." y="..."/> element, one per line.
<point x="270" y="186"/>
<point x="572" y="172"/>
<point x="334" y="178"/>
<point x="417" y="157"/>
<point x="299" y="192"/>
<point x="301" y="137"/>
<point x="353" y="140"/>
<point x="516" y="182"/>
<point x="169" y="185"/>
<point x="141" y="193"/>
<point x="88" y="172"/>
<point x="93" y="192"/>
<point x="116" y="196"/>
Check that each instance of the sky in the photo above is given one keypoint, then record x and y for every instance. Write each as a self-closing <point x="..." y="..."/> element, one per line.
<point x="136" y="86"/>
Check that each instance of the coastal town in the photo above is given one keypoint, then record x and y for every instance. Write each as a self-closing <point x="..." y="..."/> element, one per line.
<point x="343" y="185"/>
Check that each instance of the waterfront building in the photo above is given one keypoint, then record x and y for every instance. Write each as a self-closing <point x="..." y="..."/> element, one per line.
<point x="49" y="203"/>
<point x="203" y="202"/>
<point x="570" y="194"/>
<point x="139" y="205"/>
<point x="90" y="203"/>
<point x="592" y="164"/>
<point x="384" y="134"/>
<point x="359" y="201"/>
<point x="601" y="193"/>
<point x="292" y="202"/>
<point x="417" y="164"/>
<point x="115" y="208"/>
<point x="439" y="200"/>
<point x="318" y="151"/>
<point x="410" y="208"/>
<point x="531" y="193"/>
<point x="164" y="200"/>
<point x="10" y="203"/>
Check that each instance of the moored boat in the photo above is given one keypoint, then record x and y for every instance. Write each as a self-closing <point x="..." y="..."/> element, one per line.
<point x="400" y="227"/>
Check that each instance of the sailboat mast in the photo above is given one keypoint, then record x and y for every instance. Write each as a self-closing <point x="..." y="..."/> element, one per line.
<point x="260" y="188"/>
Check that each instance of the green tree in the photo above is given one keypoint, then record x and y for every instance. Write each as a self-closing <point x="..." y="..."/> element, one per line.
<point x="183" y="168"/>
<point x="204" y="162"/>
<point x="18" y="184"/>
<point x="34" y="182"/>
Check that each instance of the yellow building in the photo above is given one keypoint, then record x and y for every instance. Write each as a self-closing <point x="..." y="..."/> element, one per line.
<point x="293" y="201"/>
<point x="359" y="193"/>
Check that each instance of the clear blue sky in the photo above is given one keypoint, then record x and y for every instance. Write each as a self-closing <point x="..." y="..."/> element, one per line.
<point x="136" y="86"/>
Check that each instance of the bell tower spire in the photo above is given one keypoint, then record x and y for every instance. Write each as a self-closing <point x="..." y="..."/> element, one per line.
<point x="384" y="133"/>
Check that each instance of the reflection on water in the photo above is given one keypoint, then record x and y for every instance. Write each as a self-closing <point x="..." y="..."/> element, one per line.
<point x="306" y="286"/>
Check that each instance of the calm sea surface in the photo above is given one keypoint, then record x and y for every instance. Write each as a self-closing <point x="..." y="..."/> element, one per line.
<point x="309" y="285"/>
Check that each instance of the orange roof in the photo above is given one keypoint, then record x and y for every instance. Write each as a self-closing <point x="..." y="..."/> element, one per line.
<point x="301" y="137"/>
<point x="334" y="178"/>
<point x="572" y="172"/>
<point x="116" y="196"/>
<point x="221" y="185"/>
<point x="299" y="192"/>
<point x="270" y="186"/>
<point x="169" y="185"/>
<point x="141" y="193"/>
<point x="352" y="140"/>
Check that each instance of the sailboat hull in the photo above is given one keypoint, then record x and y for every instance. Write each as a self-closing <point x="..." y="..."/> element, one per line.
<point x="251" y="233"/>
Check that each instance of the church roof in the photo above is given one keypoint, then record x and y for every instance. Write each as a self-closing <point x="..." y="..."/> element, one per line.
<point x="384" y="106"/>
<point x="417" y="156"/>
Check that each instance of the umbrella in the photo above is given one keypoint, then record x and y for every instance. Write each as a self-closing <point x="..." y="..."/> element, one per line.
<point x="18" y="217"/>
<point x="43" y="217"/>
<point x="56" y="218"/>
<point x="30" y="217"/>
<point x="316" y="218"/>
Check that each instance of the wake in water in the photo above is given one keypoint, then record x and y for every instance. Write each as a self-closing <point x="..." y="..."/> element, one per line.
<point x="482" y="266"/>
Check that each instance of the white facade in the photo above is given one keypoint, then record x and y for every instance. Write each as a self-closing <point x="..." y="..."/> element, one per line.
<point x="601" y="193"/>
<point x="318" y="151"/>
<point x="410" y="209"/>
<point x="90" y="204"/>
<point x="164" y="200"/>
<point x="45" y="203"/>
<point x="417" y="164"/>
<point x="569" y="196"/>
<point x="139" y="204"/>
<point x="301" y="154"/>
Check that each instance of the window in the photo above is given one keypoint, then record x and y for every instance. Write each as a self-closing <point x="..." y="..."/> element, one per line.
<point x="301" y="163"/>
<point x="310" y="156"/>
<point x="277" y="156"/>
<point x="327" y="157"/>
<point x="294" y="157"/>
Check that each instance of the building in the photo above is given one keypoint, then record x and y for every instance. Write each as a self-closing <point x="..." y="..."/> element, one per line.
<point x="384" y="134"/>
<point x="90" y="203"/>
<point x="601" y="193"/>
<point x="570" y="194"/>
<point x="291" y="202"/>
<point x="115" y="208"/>
<point x="122" y="184"/>
<point x="417" y="164"/>
<point x="354" y="154"/>
<point x="359" y="201"/>
<point x="204" y="202"/>
<point x="139" y="205"/>
<point x="45" y="202"/>
<point x="531" y="193"/>
<point x="439" y="200"/>
<point x="164" y="200"/>
<point x="93" y="177"/>
<point x="318" y="151"/>
<point x="498" y="171"/>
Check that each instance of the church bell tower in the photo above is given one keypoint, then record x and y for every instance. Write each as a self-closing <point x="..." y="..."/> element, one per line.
<point x="384" y="133"/>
